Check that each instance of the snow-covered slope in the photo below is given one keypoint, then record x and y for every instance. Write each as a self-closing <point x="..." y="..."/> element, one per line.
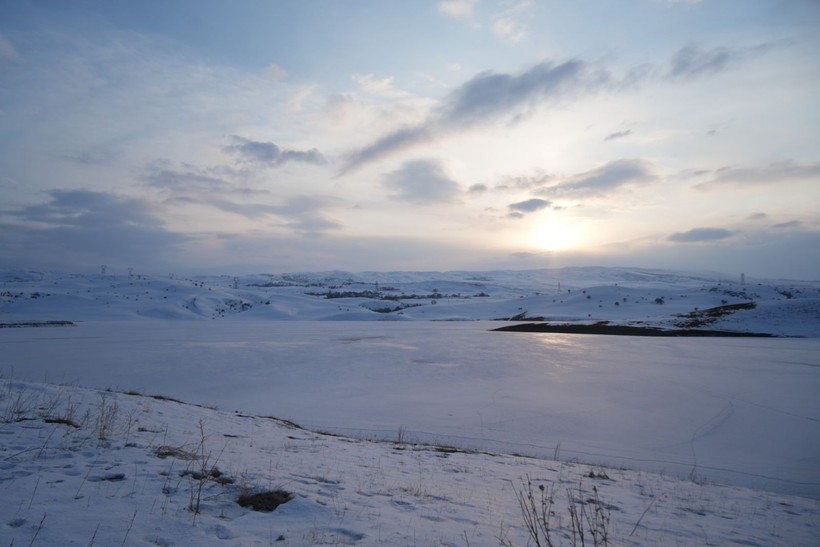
<point x="82" y="467"/>
<point x="618" y="295"/>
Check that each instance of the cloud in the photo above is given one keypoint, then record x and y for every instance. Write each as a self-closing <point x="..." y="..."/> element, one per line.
<point x="297" y="101"/>
<point x="268" y="153"/>
<point x="517" y="210"/>
<point x="458" y="9"/>
<point x="618" y="135"/>
<point x="383" y="87"/>
<point x="611" y="176"/>
<point x="693" y="62"/>
<point x="509" y="24"/>
<point x="482" y="99"/>
<point x="92" y="156"/>
<point x="478" y="188"/>
<point x="84" y="227"/>
<point x="788" y="225"/>
<point x="398" y="140"/>
<point x="421" y="182"/>
<point x="176" y="181"/>
<point x="774" y="173"/>
<point x="490" y="95"/>
<point x="526" y="182"/>
<point x="7" y="49"/>
<point x="305" y="215"/>
<point x="217" y="187"/>
<point x="276" y="71"/>
<point x="699" y="235"/>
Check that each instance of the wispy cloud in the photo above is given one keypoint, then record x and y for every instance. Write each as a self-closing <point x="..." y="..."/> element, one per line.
<point x="692" y="61"/>
<point x="791" y="224"/>
<point x="618" y="135"/>
<point x="297" y="101"/>
<point x="164" y="177"/>
<point x="370" y="83"/>
<point x="422" y="182"/>
<point x="701" y="235"/>
<point x="459" y="9"/>
<point x="92" y="156"/>
<point x="609" y="177"/>
<point x="774" y="173"/>
<point x="276" y="71"/>
<point x="7" y="49"/>
<point x="305" y="215"/>
<point x="268" y="153"/>
<point x="538" y="179"/>
<point x="490" y="96"/>
<point x="510" y="24"/>
<point x="485" y="98"/>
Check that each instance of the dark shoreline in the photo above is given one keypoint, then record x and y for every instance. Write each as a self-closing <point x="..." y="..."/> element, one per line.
<point x="35" y="324"/>
<point x="625" y="330"/>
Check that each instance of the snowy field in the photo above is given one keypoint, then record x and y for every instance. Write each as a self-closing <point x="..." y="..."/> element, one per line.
<point x="684" y="441"/>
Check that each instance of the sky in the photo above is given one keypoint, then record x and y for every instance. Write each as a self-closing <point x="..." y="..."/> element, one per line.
<point x="205" y="136"/>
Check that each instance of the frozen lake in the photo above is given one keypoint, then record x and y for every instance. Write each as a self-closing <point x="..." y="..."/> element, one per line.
<point x="741" y="411"/>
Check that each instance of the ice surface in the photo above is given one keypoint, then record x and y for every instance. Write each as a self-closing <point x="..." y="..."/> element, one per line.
<point x="739" y="411"/>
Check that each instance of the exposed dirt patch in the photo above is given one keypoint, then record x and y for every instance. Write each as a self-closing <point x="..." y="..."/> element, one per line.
<point x="701" y="318"/>
<point x="604" y="327"/>
<point x="264" y="501"/>
<point x="29" y="324"/>
<point x="175" y="452"/>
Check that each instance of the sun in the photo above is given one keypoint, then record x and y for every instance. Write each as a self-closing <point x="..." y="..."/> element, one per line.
<point x="556" y="236"/>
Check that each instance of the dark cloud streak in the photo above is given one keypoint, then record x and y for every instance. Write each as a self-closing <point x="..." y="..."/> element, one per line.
<point x="700" y="235"/>
<point x="486" y="97"/>
<point x="774" y="173"/>
<point x="268" y="153"/>
<point x="618" y="135"/>
<point x="609" y="177"/>
<point x="490" y="95"/>
<point x="528" y="206"/>
<point x="694" y="62"/>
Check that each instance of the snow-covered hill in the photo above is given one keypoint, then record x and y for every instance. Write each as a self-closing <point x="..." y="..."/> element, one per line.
<point x="619" y="295"/>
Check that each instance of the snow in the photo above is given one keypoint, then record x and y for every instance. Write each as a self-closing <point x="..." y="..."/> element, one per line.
<point x="686" y="440"/>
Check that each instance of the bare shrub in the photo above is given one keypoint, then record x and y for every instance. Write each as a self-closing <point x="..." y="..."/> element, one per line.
<point x="589" y="518"/>
<point x="590" y="524"/>
<point x="106" y="418"/>
<point x="20" y="403"/>
<point x="67" y="417"/>
<point x="536" y="512"/>
<point x="205" y="471"/>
